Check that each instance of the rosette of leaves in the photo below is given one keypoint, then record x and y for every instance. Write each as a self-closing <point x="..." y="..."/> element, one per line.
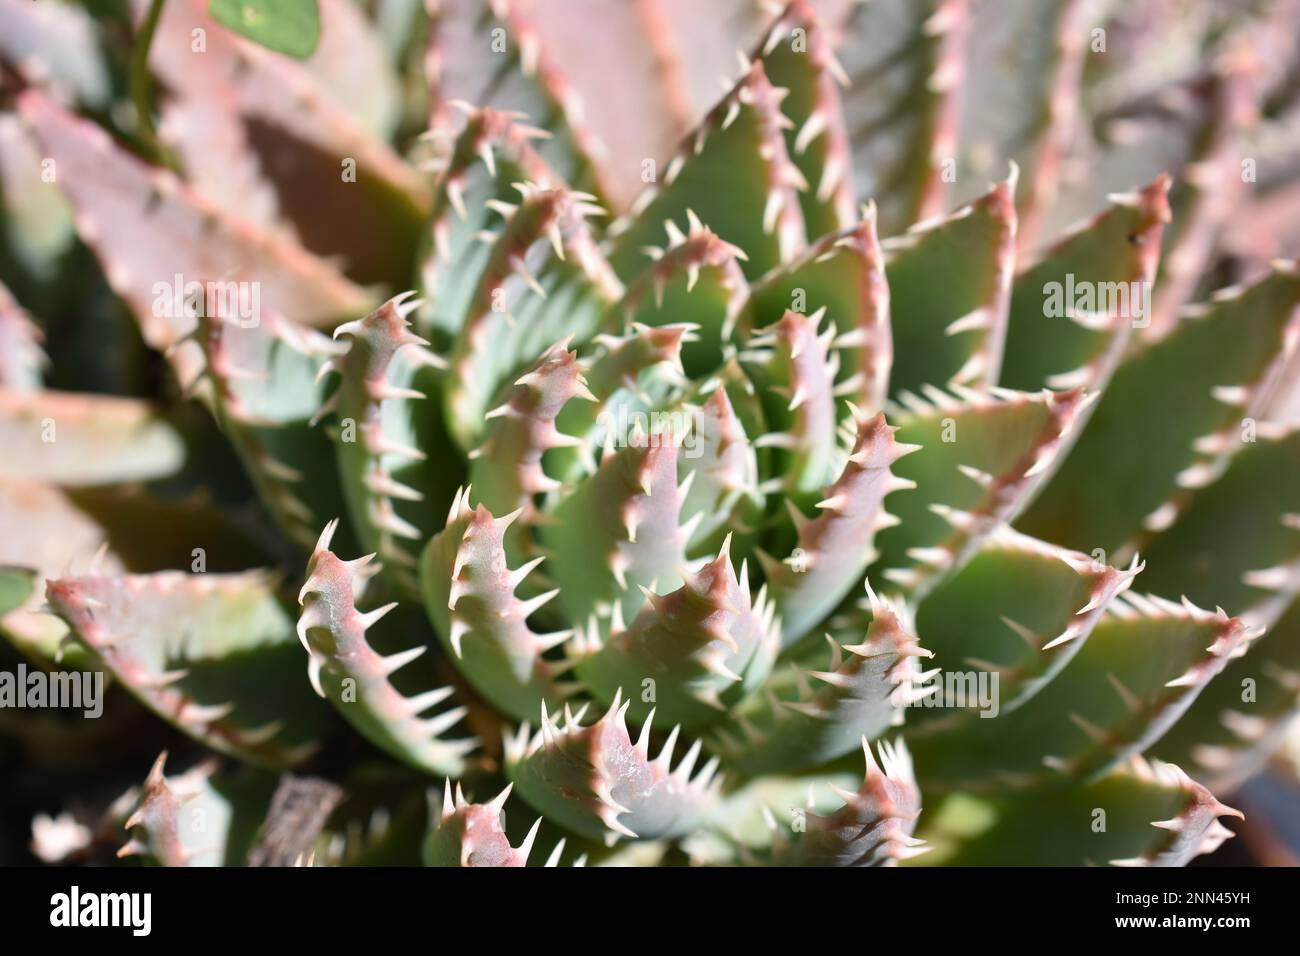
<point x="774" y="478"/>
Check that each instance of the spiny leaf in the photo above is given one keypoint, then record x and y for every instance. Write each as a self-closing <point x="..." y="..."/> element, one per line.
<point x="265" y="392"/>
<point x="953" y="331"/>
<point x="619" y="529"/>
<point x="596" y="782"/>
<point x="74" y="439"/>
<point x="506" y="470"/>
<point x="699" y="650"/>
<point x="735" y="174"/>
<point x="835" y="548"/>
<point x="211" y="654"/>
<point x="983" y="457"/>
<point x="905" y="62"/>
<point x="389" y="436"/>
<point x="470" y="595"/>
<point x="860" y="695"/>
<point x="1241" y="717"/>
<point x="844" y="274"/>
<point x="147" y="228"/>
<point x="628" y="375"/>
<point x="1073" y="311"/>
<point x="344" y="667"/>
<point x="872" y="828"/>
<point x="544" y="280"/>
<point x="695" y="279"/>
<point x="1226" y="357"/>
<point x="795" y="367"/>
<point x="490" y="154"/>
<point x="798" y="57"/>
<point x="473" y="834"/>
<point x="197" y="818"/>
<point x="722" y="466"/>
<point x="1143" y="665"/>
<point x="1021" y="608"/>
<point x="1155" y="815"/>
<point x="1239" y="536"/>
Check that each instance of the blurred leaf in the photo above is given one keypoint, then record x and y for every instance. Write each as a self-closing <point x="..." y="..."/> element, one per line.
<point x="286" y="26"/>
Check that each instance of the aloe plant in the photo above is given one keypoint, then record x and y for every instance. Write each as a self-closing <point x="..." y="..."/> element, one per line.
<point x="554" y="463"/>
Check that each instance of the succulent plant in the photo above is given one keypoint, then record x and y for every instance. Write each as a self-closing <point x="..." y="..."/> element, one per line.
<point x="521" y="455"/>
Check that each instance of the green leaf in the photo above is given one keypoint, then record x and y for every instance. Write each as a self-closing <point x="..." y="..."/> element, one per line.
<point x="800" y="724"/>
<point x="735" y="175"/>
<point x="286" y="26"/>
<point x="1135" y="456"/>
<point x="1140" y="815"/>
<point x="1022" y="607"/>
<point x="1241" y="717"/>
<point x="198" y="818"/>
<point x="982" y="457"/>
<point x="1073" y="311"/>
<point x="952" y="331"/>
<point x="212" y="654"/>
<point x="1143" y="665"/>
<point x="904" y="60"/>
<point x="345" y="666"/>
<point x="1237" y="541"/>
<point x="595" y="781"/>
<point x="16" y="586"/>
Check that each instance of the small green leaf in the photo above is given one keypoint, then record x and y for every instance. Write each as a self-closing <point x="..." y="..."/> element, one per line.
<point x="286" y="26"/>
